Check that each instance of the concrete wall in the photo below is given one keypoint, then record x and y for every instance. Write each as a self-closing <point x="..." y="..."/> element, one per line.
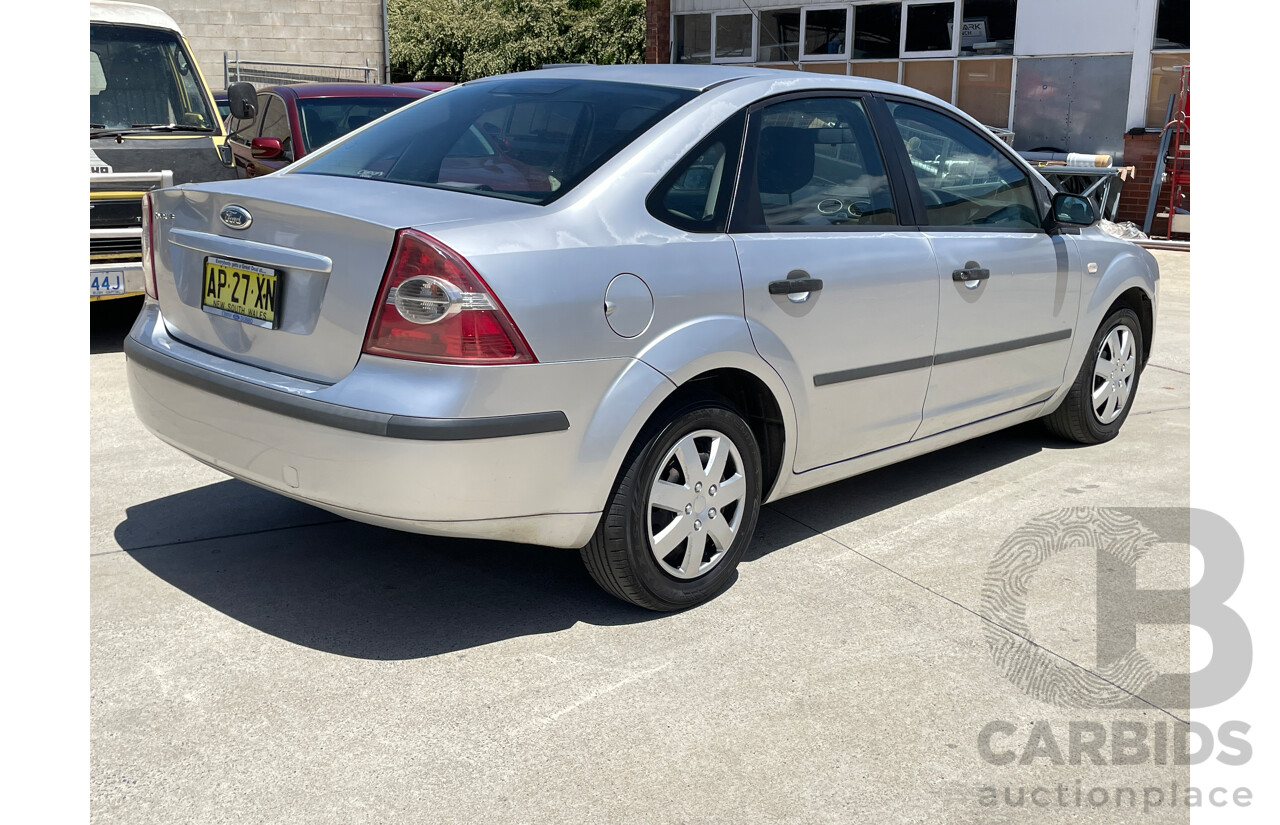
<point x="340" y="32"/>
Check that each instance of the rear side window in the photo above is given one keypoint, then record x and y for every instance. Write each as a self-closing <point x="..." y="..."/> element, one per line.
<point x="964" y="179"/>
<point x="527" y="139"/>
<point x="695" y="195"/>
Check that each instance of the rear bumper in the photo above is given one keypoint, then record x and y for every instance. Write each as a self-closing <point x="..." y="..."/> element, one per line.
<point x="508" y="477"/>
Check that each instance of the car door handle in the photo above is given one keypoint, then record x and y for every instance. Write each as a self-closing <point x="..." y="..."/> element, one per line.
<point x="971" y="272"/>
<point x="790" y="286"/>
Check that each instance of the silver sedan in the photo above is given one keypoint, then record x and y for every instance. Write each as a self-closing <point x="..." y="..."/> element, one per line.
<point x="619" y="308"/>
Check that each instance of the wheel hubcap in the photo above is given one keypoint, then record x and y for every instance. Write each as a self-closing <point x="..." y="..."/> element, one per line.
<point x="695" y="504"/>
<point x="1113" y="374"/>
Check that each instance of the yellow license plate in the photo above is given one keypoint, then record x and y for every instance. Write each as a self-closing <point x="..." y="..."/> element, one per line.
<point x="242" y="291"/>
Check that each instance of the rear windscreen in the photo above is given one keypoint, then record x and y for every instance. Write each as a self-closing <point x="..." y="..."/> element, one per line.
<point x="527" y="139"/>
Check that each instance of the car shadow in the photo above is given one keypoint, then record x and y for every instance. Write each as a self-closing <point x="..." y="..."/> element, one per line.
<point x="311" y="578"/>
<point x="109" y="323"/>
<point x="323" y="582"/>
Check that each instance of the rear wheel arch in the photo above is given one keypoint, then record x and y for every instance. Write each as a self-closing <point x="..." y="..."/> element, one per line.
<point x="723" y="405"/>
<point x="751" y="398"/>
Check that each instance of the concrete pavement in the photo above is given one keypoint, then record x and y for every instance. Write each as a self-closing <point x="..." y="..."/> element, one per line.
<point x="254" y="659"/>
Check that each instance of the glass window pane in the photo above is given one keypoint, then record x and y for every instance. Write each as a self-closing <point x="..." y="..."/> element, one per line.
<point x="779" y="35"/>
<point x="929" y="27"/>
<point x="695" y="195"/>
<point x="1173" y="25"/>
<point x="987" y="26"/>
<point x="876" y="30"/>
<point x="143" y="76"/>
<point x="325" y="119"/>
<point x="1165" y="81"/>
<point x="275" y="121"/>
<point x="932" y="76"/>
<point x="964" y="179"/>
<point x="824" y="31"/>
<point x="817" y="165"/>
<point x="983" y="88"/>
<point x="693" y="38"/>
<point x="548" y="135"/>
<point x="733" y="36"/>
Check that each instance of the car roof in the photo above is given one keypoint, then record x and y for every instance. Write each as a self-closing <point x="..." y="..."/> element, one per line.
<point x="307" y="91"/>
<point x="429" y="85"/>
<point x="136" y="14"/>
<point x="701" y="77"/>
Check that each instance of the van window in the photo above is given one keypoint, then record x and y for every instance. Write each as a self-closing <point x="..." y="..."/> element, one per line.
<point x="143" y="77"/>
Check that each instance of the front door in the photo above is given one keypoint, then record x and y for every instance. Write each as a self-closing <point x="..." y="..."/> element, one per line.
<point x="1009" y="291"/>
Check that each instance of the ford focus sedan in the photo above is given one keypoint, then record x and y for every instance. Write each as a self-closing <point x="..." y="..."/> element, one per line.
<point x="619" y="308"/>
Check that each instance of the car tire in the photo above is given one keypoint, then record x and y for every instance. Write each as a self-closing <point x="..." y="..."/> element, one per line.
<point x="682" y="511"/>
<point x="1103" y="391"/>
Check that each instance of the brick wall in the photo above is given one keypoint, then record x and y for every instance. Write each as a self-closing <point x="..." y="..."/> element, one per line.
<point x="338" y="32"/>
<point x="657" y="31"/>
<point x="1140" y="152"/>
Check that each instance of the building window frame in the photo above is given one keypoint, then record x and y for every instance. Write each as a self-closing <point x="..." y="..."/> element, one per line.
<point x="755" y="34"/>
<point x="956" y="14"/>
<point x="848" y="32"/>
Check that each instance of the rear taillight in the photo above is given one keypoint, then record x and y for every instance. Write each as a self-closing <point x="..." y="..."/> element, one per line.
<point x="148" y="248"/>
<point x="434" y="307"/>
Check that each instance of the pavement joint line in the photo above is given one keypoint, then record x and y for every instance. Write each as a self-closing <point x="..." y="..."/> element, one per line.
<point x="1170" y="369"/>
<point x="1162" y="409"/>
<point x="989" y="621"/>
<point x="217" y="538"/>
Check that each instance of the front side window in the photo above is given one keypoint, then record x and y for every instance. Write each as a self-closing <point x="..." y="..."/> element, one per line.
<point x="965" y="181"/>
<point x="814" y="163"/>
<point x="141" y="78"/>
<point x="546" y="135"/>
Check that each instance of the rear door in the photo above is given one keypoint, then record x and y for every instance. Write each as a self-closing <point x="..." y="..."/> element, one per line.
<point x="841" y="298"/>
<point x="1008" y="290"/>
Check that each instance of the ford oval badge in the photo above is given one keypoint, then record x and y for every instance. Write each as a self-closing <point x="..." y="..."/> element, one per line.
<point x="236" y="217"/>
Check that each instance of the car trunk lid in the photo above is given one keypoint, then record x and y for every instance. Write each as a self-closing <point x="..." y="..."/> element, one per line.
<point x="324" y="240"/>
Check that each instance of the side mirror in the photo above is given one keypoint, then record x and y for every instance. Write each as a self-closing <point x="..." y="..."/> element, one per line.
<point x="266" y="148"/>
<point x="243" y="100"/>
<point x="1069" y="212"/>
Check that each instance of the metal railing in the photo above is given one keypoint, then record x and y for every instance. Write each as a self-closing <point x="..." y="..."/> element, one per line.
<point x="274" y="73"/>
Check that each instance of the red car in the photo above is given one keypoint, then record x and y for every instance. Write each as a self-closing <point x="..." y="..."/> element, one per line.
<point x="295" y="120"/>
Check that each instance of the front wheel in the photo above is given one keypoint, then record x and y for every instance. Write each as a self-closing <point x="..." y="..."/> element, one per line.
<point x="1102" y="394"/>
<point x="682" y="512"/>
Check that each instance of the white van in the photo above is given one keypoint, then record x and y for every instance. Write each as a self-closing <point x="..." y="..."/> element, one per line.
<point x="152" y="123"/>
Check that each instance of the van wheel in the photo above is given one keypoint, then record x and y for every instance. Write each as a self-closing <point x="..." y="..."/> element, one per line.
<point x="682" y="512"/>
<point x="1102" y="395"/>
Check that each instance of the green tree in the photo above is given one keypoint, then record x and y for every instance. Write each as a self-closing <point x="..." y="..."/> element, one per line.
<point x="465" y="39"/>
